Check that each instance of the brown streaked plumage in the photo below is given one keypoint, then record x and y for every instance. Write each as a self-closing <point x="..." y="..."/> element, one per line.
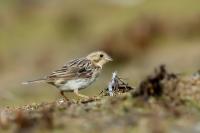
<point x="76" y="74"/>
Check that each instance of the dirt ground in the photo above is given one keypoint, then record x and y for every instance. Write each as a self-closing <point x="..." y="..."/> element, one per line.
<point x="163" y="102"/>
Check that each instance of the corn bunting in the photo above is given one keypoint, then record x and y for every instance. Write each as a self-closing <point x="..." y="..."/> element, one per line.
<point x="76" y="74"/>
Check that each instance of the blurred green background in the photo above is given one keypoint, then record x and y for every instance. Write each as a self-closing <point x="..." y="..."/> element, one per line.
<point x="39" y="36"/>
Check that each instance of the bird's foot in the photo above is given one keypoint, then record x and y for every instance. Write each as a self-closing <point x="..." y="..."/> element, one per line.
<point x="95" y="98"/>
<point x="63" y="95"/>
<point x="80" y="95"/>
<point x="90" y="99"/>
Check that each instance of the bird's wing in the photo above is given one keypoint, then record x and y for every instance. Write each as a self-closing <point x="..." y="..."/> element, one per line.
<point x="75" y="69"/>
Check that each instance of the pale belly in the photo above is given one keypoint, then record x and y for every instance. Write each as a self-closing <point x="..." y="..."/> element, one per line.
<point x="77" y="84"/>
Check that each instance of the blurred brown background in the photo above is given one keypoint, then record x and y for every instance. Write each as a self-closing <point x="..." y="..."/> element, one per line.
<point x="38" y="36"/>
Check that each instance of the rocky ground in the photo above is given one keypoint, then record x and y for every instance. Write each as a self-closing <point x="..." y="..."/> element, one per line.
<point x="162" y="102"/>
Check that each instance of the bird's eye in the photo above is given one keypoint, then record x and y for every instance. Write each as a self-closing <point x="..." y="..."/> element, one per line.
<point x="101" y="55"/>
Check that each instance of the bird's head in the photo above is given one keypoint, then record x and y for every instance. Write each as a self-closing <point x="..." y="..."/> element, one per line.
<point x="99" y="58"/>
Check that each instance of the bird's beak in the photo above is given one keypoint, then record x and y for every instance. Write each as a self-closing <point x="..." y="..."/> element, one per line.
<point x="109" y="58"/>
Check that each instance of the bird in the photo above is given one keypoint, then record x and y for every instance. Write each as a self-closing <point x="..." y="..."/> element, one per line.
<point x="76" y="74"/>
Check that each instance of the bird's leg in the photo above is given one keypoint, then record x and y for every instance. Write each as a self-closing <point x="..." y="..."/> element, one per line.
<point x="80" y="95"/>
<point x="63" y="95"/>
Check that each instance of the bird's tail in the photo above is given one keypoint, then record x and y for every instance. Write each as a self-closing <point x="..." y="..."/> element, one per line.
<point x="34" y="81"/>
